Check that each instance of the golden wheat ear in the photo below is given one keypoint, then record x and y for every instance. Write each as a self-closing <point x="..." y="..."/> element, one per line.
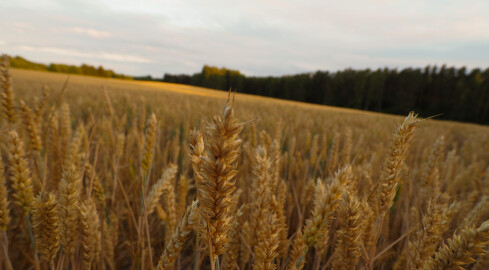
<point x="4" y="203"/>
<point x="182" y="232"/>
<point x="7" y="96"/>
<point x="261" y="194"/>
<point x="158" y="188"/>
<point x="69" y="198"/>
<point x="218" y="171"/>
<point x="386" y="188"/>
<point x="90" y="232"/>
<point x="20" y="176"/>
<point x="326" y="200"/>
<point x="348" y="236"/>
<point x="149" y="143"/>
<point x="460" y="249"/>
<point x="431" y="234"/>
<point x="45" y="226"/>
<point x="266" y="250"/>
<point x="33" y="132"/>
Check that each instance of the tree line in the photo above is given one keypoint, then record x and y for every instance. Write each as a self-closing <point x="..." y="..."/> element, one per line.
<point x="445" y="92"/>
<point x="84" y="69"/>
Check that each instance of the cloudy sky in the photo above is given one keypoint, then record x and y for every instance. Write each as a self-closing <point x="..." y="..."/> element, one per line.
<point x="257" y="37"/>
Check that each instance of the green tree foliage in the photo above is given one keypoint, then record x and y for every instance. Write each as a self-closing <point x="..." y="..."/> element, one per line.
<point x="84" y="69"/>
<point x="448" y="92"/>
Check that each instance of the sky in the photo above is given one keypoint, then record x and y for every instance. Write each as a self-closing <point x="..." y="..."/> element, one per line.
<point x="257" y="37"/>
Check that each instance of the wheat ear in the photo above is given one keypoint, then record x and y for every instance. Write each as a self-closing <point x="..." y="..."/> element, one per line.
<point x="20" y="178"/>
<point x="90" y="232"/>
<point x="149" y="143"/>
<point x="4" y="203"/>
<point x="266" y="250"/>
<point x="8" y="109"/>
<point x="158" y="188"/>
<point x="69" y="198"/>
<point x="218" y="171"/>
<point x="348" y="245"/>
<point x="260" y="194"/>
<point x="298" y="252"/>
<point x="461" y="249"/>
<point x="45" y="226"/>
<point x="326" y="199"/>
<point x="389" y="178"/>
<point x="230" y="258"/>
<point x="182" y="232"/>
<point x="430" y="235"/>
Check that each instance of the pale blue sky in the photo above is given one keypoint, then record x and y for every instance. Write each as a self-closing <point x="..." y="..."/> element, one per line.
<point x="257" y="37"/>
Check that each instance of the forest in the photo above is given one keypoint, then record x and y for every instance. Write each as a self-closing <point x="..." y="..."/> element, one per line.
<point x="84" y="69"/>
<point x="445" y="92"/>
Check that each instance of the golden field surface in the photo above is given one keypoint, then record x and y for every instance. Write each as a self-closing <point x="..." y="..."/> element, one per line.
<point x="116" y="174"/>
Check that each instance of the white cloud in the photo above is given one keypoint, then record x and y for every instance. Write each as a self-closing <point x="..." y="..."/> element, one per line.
<point x="86" y="55"/>
<point x="90" y="32"/>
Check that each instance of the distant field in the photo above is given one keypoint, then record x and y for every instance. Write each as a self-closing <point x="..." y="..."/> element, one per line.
<point x="136" y="175"/>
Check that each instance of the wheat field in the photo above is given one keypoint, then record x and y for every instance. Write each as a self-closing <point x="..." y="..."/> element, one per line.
<point x="112" y="174"/>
